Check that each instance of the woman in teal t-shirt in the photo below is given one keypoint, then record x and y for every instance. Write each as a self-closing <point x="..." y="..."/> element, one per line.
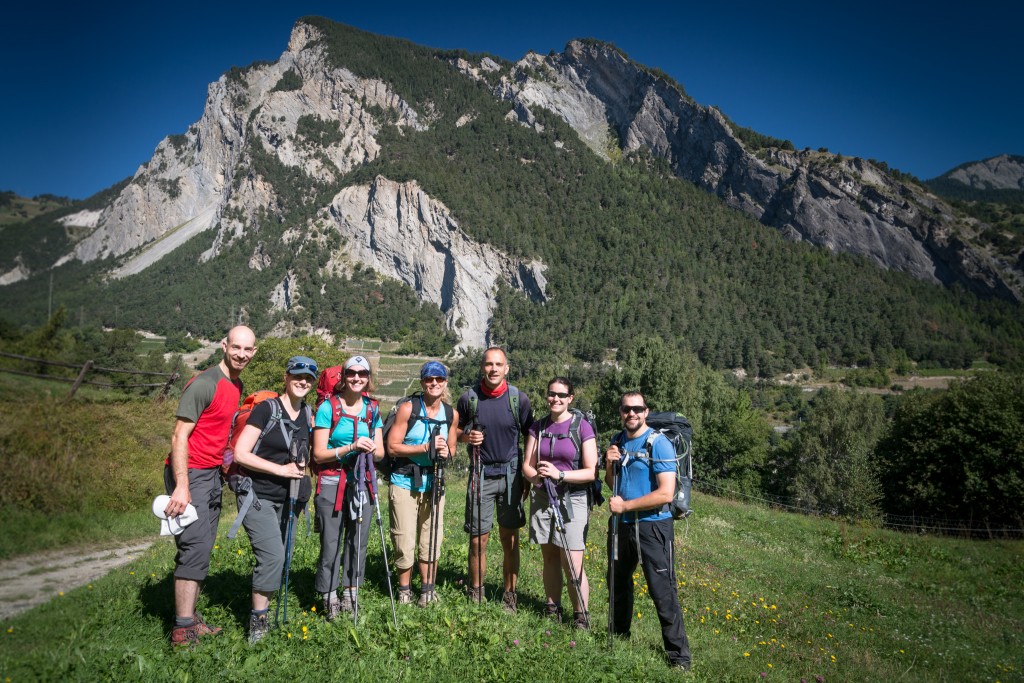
<point x="416" y="512"/>
<point x="346" y="438"/>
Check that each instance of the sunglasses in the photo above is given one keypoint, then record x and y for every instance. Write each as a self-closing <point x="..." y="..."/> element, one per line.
<point x="559" y="394"/>
<point x="626" y="410"/>
<point x="434" y="380"/>
<point x="302" y="366"/>
<point x="357" y="373"/>
<point x="302" y="378"/>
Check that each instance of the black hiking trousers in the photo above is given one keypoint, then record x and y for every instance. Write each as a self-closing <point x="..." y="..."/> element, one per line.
<point x="652" y="541"/>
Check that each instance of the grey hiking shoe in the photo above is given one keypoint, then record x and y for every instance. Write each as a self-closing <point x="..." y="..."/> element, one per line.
<point x="476" y="594"/>
<point x="428" y="597"/>
<point x="349" y="598"/>
<point x="405" y="596"/>
<point x="509" y="601"/>
<point x="259" y="626"/>
<point x="331" y="606"/>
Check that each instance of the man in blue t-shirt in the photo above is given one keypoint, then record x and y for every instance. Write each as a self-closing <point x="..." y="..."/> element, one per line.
<point x="647" y="481"/>
<point x="488" y="425"/>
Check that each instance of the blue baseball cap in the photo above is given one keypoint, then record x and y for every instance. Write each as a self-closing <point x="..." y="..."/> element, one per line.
<point x="433" y="368"/>
<point x="301" y="365"/>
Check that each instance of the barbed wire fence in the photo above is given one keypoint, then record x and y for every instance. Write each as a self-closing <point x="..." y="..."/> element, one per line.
<point x="90" y="367"/>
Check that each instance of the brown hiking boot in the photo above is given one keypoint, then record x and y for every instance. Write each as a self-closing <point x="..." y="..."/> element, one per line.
<point x="185" y="636"/>
<point x="203" y="628"/>
<point x="580" y="621"/>
<point x="509" y="601"/>
<point x="553" y="611"/>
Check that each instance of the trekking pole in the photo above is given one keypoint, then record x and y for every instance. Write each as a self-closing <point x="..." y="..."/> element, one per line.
<point x="574" y="576"/>
<point x="613" y="556"/>
<point x="479" y="516"/>
<point x="289" y="547"/>
<point x="359" y="488"/>
<point x="435" y="498"/>
<point x="383" y="544"/>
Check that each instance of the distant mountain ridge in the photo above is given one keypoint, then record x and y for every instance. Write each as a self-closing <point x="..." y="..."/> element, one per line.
<point x="354" y="153"/>
<point x="843" y="204"/>
<point x="1003" y="172"/>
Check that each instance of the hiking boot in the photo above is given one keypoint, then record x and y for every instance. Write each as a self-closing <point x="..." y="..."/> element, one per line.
<point x="427" y="597"/>
<point x="331" y="606"/>
<point x="681" y="666"/>
<point x="203" y="628"/>
<point x="509" y="601"/>
<point x="259" y="626"/>
<point x="348" y="601"/>
<point x="580" y="621"/>
<point x="185" y="636"/>
<point x="553" y="611"/>
<point x="405" y="596"/>
<point x="476" y="594"/>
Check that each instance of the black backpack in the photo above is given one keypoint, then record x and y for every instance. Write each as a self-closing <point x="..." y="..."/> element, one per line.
<point x="677" y="429"/>
<point x="390" y="464"/>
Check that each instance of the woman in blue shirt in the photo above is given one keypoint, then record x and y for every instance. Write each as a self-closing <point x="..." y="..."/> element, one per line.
<point x="346" y="440"/>
<point x="411" y="494"/>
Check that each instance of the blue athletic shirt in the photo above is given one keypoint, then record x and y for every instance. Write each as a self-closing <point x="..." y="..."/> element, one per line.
<point x="636" y="479"/>
<point x="417" y="435"/>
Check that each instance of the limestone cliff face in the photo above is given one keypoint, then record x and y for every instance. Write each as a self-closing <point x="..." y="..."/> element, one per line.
<point x="201" y="179"/>
<point x="399" y="231"/>
<point x="845" y="205"/>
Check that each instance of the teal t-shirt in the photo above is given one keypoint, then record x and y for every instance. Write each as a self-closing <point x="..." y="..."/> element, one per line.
<point x="347" y="430"/>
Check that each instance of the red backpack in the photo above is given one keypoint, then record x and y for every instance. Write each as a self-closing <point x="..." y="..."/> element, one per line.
<point x="228" y="466"/>
<point x="327" y="383"/>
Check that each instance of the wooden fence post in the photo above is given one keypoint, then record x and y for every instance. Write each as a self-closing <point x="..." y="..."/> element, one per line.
<point x="78" y="382"/>
<point x="167" y="387"/>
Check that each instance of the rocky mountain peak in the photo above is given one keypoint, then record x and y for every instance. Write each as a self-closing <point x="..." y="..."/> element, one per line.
<point x="1003" y="172"/>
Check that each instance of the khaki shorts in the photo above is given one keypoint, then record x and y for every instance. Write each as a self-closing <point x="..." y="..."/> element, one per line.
<point x="411" y="518"/>
<point x="542" y="516"/>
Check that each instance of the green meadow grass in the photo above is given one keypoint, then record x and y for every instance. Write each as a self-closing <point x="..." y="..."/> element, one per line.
<point x="766" y="596"/>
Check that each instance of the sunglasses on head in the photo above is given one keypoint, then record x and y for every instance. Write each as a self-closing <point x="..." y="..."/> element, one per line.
<point x="302" y="366"/>
<point x="626" y="410"/>
<point x="357" y="373"/>
<point x="558" y="394"/>
<point x="434" y="380"/>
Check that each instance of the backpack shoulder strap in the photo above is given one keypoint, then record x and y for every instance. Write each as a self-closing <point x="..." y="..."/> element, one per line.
<point x="275" y="419"/>
<point x="574" y="436"/>
<point x="513" y="404"/>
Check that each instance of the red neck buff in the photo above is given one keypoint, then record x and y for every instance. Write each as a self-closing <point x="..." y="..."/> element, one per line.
<point x="502" y="388"/>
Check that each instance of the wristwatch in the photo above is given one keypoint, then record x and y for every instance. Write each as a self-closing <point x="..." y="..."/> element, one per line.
<point x="561" y="477"/>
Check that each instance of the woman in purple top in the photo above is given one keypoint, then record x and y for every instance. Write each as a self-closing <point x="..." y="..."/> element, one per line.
<point x="561" y="455"/>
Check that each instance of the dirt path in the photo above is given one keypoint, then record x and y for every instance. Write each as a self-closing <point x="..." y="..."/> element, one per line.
<point x="34" y="579"/>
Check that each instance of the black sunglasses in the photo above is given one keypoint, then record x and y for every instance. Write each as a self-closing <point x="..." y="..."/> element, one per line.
<point x="559" y="394"/>
<point x="626" y="410"/>
<point x="357" y="373"/>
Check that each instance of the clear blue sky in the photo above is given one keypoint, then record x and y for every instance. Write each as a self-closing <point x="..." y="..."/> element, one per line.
<point x="90" y="90"/>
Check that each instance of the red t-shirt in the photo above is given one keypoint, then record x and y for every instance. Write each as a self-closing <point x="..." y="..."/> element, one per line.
<point x="210" y="400"/>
